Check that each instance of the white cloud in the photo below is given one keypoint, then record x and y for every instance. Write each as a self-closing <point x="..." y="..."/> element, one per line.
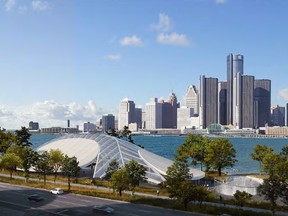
<point x="131" y="41"/>
<point x="174" y="39"/>
<point x="283" y="94"/>
<point x="39" y="5"/>
<point x="113" y="57"/>
<point x="164" y="24"/>
<point x="48" y="113"/>
<point x="10" y="4"/>
<point x="220" y="1"/>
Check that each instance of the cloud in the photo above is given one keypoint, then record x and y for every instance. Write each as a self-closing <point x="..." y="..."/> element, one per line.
<point x="220" y="1"/>
<point x="283" y="94"/>
<point x="39" y="5"/>
<point x="113" y="57"/>
<point x="173" y="39"/>
<point x="10" y="4"/>
<point x="131" y="41"/>
<point x="49" y="113"/>
<point x="164" y="23"/>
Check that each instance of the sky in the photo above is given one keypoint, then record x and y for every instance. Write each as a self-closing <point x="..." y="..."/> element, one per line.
<point x="77" y="60"/>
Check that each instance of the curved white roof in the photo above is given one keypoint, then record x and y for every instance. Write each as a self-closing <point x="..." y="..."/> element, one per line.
<point x="100" y="149"/>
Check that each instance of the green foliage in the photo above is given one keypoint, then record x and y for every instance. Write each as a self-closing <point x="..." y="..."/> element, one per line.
<point x="10" y="161"/>
<point x="193" y="147"/>
<point x="56" y="158"/>
<point x="120" y="181"/>
<point x="259" y="154"/>
<point x="113" y="167"/>
<point x="176" y="176"/>
<point x="43" y="165"/>
<point x="6" y="140"/>
<point x="271" y="189"/>
<point x="241" y="197"/>
<point x="29" y="158"/>
<point x="23" y="137"/>
<point x="220" y="154"/>
<point x="70" y="168"/>
<point x="136" y="173"/>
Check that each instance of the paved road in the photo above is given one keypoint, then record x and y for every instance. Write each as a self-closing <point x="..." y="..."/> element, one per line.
<point x="14" y="202"/>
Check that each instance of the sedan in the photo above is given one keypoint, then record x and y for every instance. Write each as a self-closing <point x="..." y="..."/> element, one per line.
<point x="35" y="197"/>
<point x="57" y="191"/>
<point x="103" y="209"/>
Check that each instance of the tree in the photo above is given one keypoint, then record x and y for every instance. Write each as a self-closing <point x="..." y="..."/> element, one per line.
<point x="6" y="140"/>
<point x="70" y="168"/>
<point x="271" y="189"/>
<point x="186" y="193"/>
<point x="176" y="174"/>
<point x="56" y="158"/>
<point x="241" y="197"/>
<point x="136" y="173"/>
<point x="23" y="137"/>
<point x="220" y="154"/>
<point x="259" y="153"/>
<point x="201" y="194"/>
<point x="112" y="168"/>
<point x="10" y="161"/>
<point x="29" y="158"/>
<point x="43" y="165"/>
<point x="120" y="181"/>
<point x="195" y="148"/>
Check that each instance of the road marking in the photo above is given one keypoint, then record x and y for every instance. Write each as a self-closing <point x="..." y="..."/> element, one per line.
<point x="60" y="212"/>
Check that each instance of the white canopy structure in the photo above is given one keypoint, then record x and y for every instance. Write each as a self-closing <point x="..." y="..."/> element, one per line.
<point x="99" y="150"/>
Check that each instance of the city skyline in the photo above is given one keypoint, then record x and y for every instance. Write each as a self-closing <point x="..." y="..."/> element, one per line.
<point x="78" y="60"/>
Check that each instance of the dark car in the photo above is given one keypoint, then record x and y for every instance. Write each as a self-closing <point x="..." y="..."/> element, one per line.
<point x="103" y="209"/>
<point x="35" y="197"/>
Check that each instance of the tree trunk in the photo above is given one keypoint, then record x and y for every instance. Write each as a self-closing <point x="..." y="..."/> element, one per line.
<point x="11" y="174"/>
<point x="68" y="183"/>
<point x="219" y="171"/>
<point x="120" y="193"/>
<point x="45" y="179"/>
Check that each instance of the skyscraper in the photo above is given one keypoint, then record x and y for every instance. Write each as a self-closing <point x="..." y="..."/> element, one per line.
<point x="153" y="114"/>
<point x="108" y="122"/>
<point x="262" y="98"/>
<point x="126" y="113"/>
<point x="169" y="112"/>
<point x="222" y="103"/>
<point x="246" y="116"/>
<point x="234" y="72"/>
<point x="208" y="101"/>
<point x="191" y="99"/>
<point x="278" y="116"/>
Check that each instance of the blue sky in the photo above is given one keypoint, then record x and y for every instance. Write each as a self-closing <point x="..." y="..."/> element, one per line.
<point x="76" y="60"/>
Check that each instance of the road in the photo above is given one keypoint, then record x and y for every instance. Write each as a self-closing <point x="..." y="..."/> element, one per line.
<point x="14" y="202"/>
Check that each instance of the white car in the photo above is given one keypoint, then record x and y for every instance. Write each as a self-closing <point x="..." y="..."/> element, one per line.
<point x="57" y="191"/>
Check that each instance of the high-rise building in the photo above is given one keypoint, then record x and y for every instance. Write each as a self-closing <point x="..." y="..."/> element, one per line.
<point x="126" y="113"/>
<point x="286" y="115"/>
<point x="246" y="114"/>
<point x="222" y="103"/>
<point x="169" y="112"/>
<point x="191" y="99"/>
<point x="33" y="126"/>
<point x="278" y="115"/>
<point x="184" y="115"/>
<point x="153" y="114"/>
<point x="208" y="111"/>
<point x="138" y="117"/>
<point x="234" y="72"/>
<point x="262" y="100"/>
<point x="108" y="122"/>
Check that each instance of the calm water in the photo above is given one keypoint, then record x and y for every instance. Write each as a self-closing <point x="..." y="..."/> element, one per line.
<point x="166" y="146"/>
